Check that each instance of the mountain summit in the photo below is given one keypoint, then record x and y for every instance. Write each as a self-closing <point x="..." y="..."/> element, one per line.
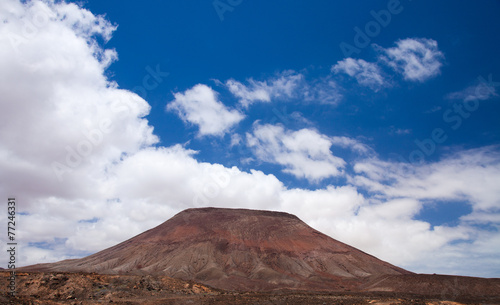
<point x="237" y="249"/>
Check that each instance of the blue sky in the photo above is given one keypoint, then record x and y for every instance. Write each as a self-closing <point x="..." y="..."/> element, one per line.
<point x="258" y="40"/>
<point x="375" y="122"/>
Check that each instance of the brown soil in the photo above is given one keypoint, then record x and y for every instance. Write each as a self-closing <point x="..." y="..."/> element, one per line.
<point x="84" y="288"/>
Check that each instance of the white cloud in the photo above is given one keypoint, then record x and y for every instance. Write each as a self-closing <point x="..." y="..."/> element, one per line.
<point x="304" y="153"/>
<point x="352" y="144"/>
<point x="323" y="90"/>
<point x="483" y="90"/>
<point x="366" y="73"/>
<point x="286" y="86"/>
<point x="283" y="85"/>
<point x="172" y="177"/>
<point x="323" y="205"/>
<point x="200" y="106"/>
<point x="400" y="131"/>
<point x="468" y="175"/>
<point x="43" y="95"/>
<point x="62" y="122"/>
<point x="235" y="140"/>
<point x="256" y="91"/>
<point x="417" y="59"/>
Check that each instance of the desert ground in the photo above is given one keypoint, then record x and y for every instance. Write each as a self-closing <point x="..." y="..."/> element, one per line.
<point x="91" y="288"/>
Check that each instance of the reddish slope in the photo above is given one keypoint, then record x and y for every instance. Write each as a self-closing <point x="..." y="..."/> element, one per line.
<point x="237" y="249"/>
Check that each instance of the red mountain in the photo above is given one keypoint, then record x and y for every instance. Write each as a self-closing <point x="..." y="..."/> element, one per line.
<point x="237" y="249"/>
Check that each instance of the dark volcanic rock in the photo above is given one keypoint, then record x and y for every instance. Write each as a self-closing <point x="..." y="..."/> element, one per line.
<point x="236" y="249"/>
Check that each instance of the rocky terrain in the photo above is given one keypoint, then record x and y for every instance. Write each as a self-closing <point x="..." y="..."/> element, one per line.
<point x="92" y="288"/>
<point x="236" y="256"/>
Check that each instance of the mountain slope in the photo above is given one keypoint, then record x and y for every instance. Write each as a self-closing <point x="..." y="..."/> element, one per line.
<point x="237" y="249"/>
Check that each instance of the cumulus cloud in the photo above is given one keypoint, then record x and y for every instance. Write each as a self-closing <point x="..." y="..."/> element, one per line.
<point x="62" y="124"/>
<point x="200" y="106"/>
<point x="51" y="78"/>
<point x="417" y="59"/>
<point x="175" y="179"/>
<point x="304" y="153"/>
<point x="366" y="73"/>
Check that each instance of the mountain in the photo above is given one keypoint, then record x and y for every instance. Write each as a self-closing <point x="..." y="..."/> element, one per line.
<point x="236" y="249"/>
